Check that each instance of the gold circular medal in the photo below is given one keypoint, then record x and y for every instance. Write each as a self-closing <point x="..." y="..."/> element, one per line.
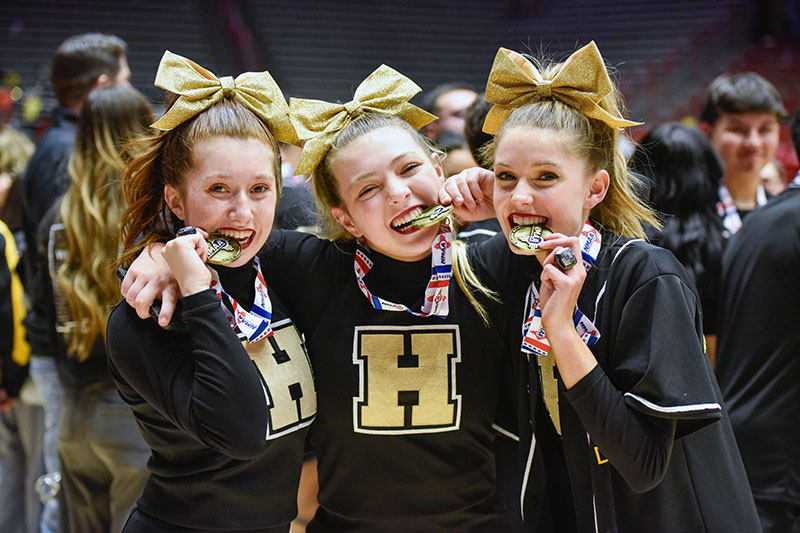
<point x="527" y="238"/>
<point x="432" y="215"/>
<point x="222" y="249"/>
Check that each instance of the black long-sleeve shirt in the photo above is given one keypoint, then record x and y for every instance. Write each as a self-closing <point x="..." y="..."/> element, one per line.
<point x="226" y="424"/>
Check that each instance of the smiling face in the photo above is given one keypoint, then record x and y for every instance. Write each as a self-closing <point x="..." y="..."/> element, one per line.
<point x="229" y="189"/>
<point x="538" y="180"/>
<point x="745" y="141"/>
<point x="384" y="179"/>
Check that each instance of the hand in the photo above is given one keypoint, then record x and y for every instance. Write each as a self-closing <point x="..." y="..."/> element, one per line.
<point x="560" y="288"/>
<point x="471" y="192"/>
<point x="149" y="278"/>
<point x="186" y="256"/>
<point x="558" y="297"/>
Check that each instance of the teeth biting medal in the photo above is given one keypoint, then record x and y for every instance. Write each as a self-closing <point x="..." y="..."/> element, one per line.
<point x="528" y="237"/>
<point x="222" y="249"/>
<point x="432" y="215"/>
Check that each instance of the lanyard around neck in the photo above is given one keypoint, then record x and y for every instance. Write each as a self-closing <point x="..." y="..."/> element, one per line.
<point x="435" y="302"/>
<point x="534" y="337"/>
<point x="252" y="325"/>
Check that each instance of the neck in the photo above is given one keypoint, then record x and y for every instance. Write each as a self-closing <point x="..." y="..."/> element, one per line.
<point x="743" y="191"/>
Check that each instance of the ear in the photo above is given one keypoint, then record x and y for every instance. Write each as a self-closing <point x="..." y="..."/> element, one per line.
<point x="706" y="128"/>
<point x="598" y="188"/>
<point x="103" y="80"/>
<point x="347" y="223"/>
<point x="173" y="198"/>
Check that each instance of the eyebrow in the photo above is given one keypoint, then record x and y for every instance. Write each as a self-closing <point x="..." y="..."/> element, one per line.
<point x="543" y="163"/>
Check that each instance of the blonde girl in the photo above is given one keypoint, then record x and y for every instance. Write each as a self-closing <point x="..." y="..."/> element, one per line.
<point x="103" y="457"/>
<point x="630" y="407"/>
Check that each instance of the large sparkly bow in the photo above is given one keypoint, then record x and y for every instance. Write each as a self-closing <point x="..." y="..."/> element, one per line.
<point x="199" y="89"/>
<point x="384" y="91"/>
<point x="581" y="83"/>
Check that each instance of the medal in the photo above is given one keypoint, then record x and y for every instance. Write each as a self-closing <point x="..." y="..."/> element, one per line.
<point x="222" y="249"/>
<point x="432" y="215"/>
<point x="528" y="238"/>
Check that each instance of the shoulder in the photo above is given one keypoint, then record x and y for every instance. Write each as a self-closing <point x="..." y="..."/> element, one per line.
<point x="774" y="225"/>
<point x="637" y="257"/>
<point x="628" y="265"/>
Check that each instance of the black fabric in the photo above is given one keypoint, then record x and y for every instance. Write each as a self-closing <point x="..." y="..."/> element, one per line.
<point x="205" y="407"/>
<point x="11" y="374"/>
<point x="378" y="477"/>
<point x="53" y="307"/>
<point x="653" y="381"/>
<point x="44" y="180"/>
<point x="758" y="355"/>
<point x="479" y="231"/>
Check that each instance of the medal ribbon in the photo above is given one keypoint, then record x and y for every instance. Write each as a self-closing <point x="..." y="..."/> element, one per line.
<point x="726" y="208"/>
<point x="534" y="338"/>
<point x="252" y="325"/>
<point x="435" y="302"/>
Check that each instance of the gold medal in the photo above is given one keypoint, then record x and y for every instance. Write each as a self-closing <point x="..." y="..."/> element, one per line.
<point x="528" y="238"/>
<point x="222" y="249"/>
<point x="432" y="215"/>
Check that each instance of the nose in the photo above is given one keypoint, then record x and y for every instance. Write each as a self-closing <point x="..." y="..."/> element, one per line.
<point x="396" y="189"/>
<point x="523" y="193"/>
<point x="240" y="209"/>
<point x="753" y="138"/>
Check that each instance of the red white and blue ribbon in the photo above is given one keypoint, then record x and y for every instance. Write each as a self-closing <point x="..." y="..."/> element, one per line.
<point x="435" y="302"/>
<point x="727" y="208"/>
<point x="252" y="325"/>
<point x="534" y="339"/>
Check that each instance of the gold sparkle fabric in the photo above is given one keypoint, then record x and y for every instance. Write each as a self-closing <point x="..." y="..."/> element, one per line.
<point x="582" y="82"/>
<point x="199" y="89"/>
<point x="384" y="91"/>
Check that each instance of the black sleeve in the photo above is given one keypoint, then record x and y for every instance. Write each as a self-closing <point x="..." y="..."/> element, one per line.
<point x="204" y="382"/>
<point x="639" y="446"/>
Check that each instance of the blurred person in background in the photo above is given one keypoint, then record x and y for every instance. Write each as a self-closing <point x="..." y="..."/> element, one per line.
<point x="685" y="174"/>
<point x="449" y="102"/>
<point x="773" y="177"/>
<point x="758" y="359"/>
<point x="21" y="413"/>
<point x="740" y="116"/>
<point x="103" y="456"/>
<point x="80" y="63"/>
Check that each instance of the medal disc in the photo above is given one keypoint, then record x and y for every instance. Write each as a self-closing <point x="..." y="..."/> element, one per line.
<point x="527" y="238"/>
<point x="432" y="215"/>
<point x="222" y="249"/>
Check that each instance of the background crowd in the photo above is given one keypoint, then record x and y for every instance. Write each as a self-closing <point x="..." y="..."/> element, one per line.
<point x="723" y="176"/>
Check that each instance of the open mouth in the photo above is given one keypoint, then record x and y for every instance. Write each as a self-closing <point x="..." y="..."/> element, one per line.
<point x="245" y="237"/>
<point x="402" y="223"/>
<point x="516" y="219"/>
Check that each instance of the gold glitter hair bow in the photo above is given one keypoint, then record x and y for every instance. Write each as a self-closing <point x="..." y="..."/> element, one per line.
<point x="581" y="83"/>
<point x="199" y="89"/>
<point x="384" y="91"/>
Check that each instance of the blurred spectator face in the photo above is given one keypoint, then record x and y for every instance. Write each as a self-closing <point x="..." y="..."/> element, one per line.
<point x="451" y="108"/>
<point x="772" y="178"/>
<point x="457" y="160"/>
<point x="745" y="141"/>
